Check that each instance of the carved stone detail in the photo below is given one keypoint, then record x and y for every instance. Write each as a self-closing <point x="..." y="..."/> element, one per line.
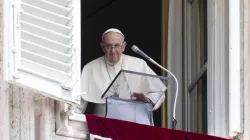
<point x="66" y="127"/>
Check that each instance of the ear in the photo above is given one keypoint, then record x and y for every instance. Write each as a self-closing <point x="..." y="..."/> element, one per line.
<point x="101" y="44"/>
<point x="124" y="44"/>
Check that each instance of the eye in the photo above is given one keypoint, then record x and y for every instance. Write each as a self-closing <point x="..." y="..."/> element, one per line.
<point x="117" y="46"/>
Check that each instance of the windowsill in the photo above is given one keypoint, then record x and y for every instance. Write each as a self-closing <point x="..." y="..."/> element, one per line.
<point x="78" y="117"/>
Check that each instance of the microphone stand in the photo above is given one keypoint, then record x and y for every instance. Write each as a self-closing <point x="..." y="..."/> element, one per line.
<point x="174" y="121"/>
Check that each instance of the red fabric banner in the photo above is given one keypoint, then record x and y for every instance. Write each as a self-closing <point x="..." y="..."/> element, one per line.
<point x="123" y="130"/>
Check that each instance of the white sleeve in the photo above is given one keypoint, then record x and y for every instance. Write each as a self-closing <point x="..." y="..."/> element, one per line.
<point x="155" y="96"/>
<point x="157" y="99"/>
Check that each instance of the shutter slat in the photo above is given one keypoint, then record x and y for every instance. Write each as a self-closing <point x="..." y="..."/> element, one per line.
<point x="45" y="33"/>
<point x="46" y="61"/>
<point x="45" y="57"/>
<point x="38" y="69"/>
<point x="48" y="6"/>
<point x="63" y="3"/>
<point x="36" y="11"/>
<point x="47" y="36"/>
<point x="45" y="42"/>
<point x="45" y="23"/>
<point x="52" y="54"/>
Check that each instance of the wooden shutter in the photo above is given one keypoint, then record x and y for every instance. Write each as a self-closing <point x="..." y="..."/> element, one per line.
<point x="46" y="50"/>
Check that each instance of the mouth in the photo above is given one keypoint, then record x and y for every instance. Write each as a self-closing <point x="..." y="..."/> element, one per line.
<point x="113" y="55"/>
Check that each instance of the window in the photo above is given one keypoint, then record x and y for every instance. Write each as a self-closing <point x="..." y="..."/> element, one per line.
<point x="42" y="52"/>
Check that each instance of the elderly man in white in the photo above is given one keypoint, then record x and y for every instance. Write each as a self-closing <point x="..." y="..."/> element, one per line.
<point x="99" y="73"/>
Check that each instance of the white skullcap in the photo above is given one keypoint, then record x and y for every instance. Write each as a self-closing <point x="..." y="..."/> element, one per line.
<point x="112" y="30"/>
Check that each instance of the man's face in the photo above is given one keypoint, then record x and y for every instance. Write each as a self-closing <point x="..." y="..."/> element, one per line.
<point x="113" y="46"/>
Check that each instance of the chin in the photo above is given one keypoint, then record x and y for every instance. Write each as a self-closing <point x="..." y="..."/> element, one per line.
<point x="114" y="58"/>
<point x="114" y="61"/>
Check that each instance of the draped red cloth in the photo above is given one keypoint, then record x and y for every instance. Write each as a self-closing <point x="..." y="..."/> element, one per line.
<point x="123" y="130"/>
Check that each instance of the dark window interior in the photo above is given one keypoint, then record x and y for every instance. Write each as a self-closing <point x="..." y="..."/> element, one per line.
<point x="139" y="20"/>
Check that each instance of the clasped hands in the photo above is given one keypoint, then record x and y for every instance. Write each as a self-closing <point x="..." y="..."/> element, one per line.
<point x="140" y="97"/>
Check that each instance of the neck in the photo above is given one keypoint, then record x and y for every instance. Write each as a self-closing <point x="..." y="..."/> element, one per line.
<point x="111" y="63"/>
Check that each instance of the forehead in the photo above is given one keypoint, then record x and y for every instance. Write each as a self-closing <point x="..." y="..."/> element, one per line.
<point x="112" y="37"/>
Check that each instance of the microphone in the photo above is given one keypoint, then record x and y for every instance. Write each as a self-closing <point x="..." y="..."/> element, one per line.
<point x="137" y="50"/>
<point x="140" y="52"/>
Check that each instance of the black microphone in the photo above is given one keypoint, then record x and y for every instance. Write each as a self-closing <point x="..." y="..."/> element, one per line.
<point x="140" y="52"/>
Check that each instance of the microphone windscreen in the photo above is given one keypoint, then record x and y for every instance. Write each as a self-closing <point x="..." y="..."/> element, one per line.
<point x="134" y="48"/>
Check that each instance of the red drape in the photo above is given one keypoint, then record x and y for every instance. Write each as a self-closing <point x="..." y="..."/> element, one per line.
<point x="123" y="130"/>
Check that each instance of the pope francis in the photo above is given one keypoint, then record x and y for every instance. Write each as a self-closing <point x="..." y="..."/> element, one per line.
<point x="99" y="73"/>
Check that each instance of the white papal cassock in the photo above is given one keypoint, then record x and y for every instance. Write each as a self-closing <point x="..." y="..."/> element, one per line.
<point x="99" y="73"/>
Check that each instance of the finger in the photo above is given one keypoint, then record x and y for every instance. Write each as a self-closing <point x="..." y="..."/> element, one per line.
<point x="134" y="94"/>
<point x="133" y="98"/>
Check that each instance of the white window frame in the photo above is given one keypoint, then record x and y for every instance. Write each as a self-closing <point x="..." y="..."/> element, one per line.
<point x="192" y="62"/>
<point x="175" y="59"/>
<point x="32" y="82"/>
<point x="219" y="94"/>
<point x="181" y="46"/>
<point x="217" y="68"/>
<point x="236" y="66"/>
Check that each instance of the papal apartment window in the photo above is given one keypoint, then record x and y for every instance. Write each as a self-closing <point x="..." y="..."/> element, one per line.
<point x="42" y="47"/>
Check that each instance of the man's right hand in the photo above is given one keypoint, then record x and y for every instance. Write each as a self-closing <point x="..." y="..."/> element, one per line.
<point x="140" y="97"/>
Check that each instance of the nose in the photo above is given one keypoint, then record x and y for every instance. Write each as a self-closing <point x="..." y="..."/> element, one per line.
<point x="112" y="50"/>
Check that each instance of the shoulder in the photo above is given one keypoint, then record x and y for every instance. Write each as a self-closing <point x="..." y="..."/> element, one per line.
<point x="133" y="59"/>
<point x="137" y="64"/>
<point x="93" y="63"/>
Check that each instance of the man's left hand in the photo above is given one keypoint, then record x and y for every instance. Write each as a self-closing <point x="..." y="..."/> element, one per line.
<point x="140" y="97"/>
